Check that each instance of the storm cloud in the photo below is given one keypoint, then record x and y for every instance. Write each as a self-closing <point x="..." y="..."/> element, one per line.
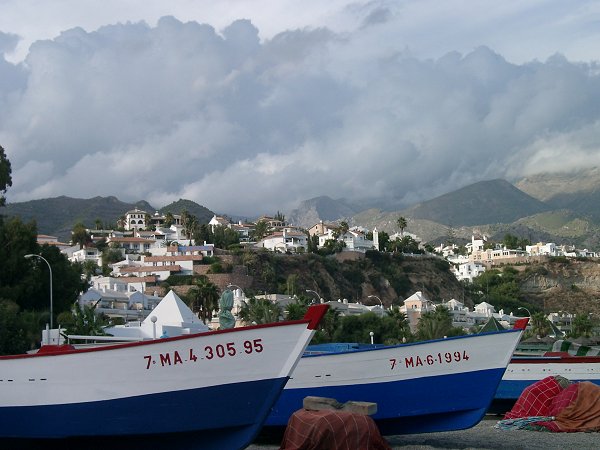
<point x="246" y="124"/>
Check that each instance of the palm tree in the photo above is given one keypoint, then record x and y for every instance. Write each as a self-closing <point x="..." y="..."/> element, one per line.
<point x="582" y="326"/>
<point x="261" y="229"/>
<point x="203" y="297"/>
<point x="185" y="216"/>
<point x="79" y="235"/>
<point x="540" y="324"/>
<point x="343" y="228"/>
<point x="260" y="311"/>
<point x="295" y="310"/>
<point x="434" y="324"/>
<point x="169" y="219"/>
<point x="84" y="321"/>
<point x="401" y="223"/>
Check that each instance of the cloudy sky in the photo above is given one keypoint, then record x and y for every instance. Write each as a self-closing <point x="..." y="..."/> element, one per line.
<point x="248" y="107"/>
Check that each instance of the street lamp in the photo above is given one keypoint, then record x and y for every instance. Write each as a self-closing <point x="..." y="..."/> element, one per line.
<point x="371" y="334"/>
<point x="524" y="309"/>
<point x="31" y="255"/>
<point x="317" y="294"/>
<point x="374" y="296"/>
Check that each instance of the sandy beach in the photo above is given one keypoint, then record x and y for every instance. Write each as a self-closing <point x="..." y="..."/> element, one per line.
<point x="485" y="437"/>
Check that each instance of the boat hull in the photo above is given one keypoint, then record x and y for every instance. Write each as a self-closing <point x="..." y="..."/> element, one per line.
<point x="440" y="385"/>
<point x="215" y="388"/>
<point x="524" y="371"/>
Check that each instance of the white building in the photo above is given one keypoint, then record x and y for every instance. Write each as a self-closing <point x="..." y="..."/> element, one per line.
<point x="468" y="270"/>
<point x="541" y="249"/>
<point x="86" y="254"/>
<point x="354" y="240"/>
<point x="135" y="220"/>
<point x="169" y="317"/>
<point x="127" y="305"/>
<point x="286" y="240"/>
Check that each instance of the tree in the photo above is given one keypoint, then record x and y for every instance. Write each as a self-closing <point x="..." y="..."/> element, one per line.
<point x="5" y="175"/>
<point x="79" y="235"/>
<point x="203" y="233"/>
<point x="84" y="321"/>
<point x="203" y="298"/>
<point x="12" y="334"/>
<point x="401" y="223"/>
<point x="261" y="229"/>
<point x="296" y="310"/>
<point x="582" y="326"/>
<point x="312" y="243"/>
<point x="540" y="325"/>
<point x="436" y="324"/>
<point x="341" y="230"/>
<point x="169" y="219"/>
<point x="384" y="239"/>
<point x="280" y="217"/>
<point x="89" y="268"/>
<point x="148" y="222"/>
<point x="260" y="311"/>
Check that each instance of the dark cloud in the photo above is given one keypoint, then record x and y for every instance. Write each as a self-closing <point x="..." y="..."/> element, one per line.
<point x="248" y="126"/>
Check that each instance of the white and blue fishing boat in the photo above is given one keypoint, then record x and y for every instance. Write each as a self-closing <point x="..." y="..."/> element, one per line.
<point x="523" y="371"/>
<point x="440" y="385"/>
<point x="210" y="390"/>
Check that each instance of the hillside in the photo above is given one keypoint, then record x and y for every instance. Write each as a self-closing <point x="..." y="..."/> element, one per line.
<point x="564" y="209"/>
<point x="311" y="211"/>
<point x="554" y="284"/>
<point x="391" y="277"/>
<point x="202" y="214"/>
<point x="486" y="202"/>
<point x="57" y="216"/>
<point x="571" y="286"/>
<point x="577" y="191"/>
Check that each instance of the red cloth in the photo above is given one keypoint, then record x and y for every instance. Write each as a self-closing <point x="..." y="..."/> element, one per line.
<point x="574" y="408"/>
<point x="577" y="410"/>
<point x="535" y="400"/>
<point x="329" y="429"/>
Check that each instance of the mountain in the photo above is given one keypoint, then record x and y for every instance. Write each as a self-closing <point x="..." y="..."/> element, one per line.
<point x="485" y="202"/>
<point x="202" y="214"/>
<point x="310" y="212"/>
<point x="56" y="216"/>
<point x="577" y="191"/>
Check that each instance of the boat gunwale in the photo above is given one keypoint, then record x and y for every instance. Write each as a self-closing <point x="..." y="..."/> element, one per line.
<point x="377" y="347"/>
<point x="554" y="359"/>
<point x="306" y="321"/>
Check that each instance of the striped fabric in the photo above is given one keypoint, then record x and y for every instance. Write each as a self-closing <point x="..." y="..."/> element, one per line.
<point x="575" y="349"/>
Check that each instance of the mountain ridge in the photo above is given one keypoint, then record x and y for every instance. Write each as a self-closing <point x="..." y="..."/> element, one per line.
<point x="491" y="207"/>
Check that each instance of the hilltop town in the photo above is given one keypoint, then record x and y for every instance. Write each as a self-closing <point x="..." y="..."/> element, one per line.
<point x="154" y="249"/>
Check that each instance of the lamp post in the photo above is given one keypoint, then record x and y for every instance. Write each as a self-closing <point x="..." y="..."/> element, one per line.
<point x="31" y="255"/>
<point x="374" y="296"/>
<point x="317" y="294"/>
<point x="524" y="309"/>
<point x="371" y="334"/>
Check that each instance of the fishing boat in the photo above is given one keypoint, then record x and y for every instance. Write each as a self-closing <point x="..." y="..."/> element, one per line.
<point x="523" y="371"/>
<point x="439" y="385"/>
<point x="209" y="390"/>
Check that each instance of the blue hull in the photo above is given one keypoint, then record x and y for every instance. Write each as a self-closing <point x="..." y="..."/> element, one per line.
<point x="420" y="405"/>
<point x="215" y="417"/>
